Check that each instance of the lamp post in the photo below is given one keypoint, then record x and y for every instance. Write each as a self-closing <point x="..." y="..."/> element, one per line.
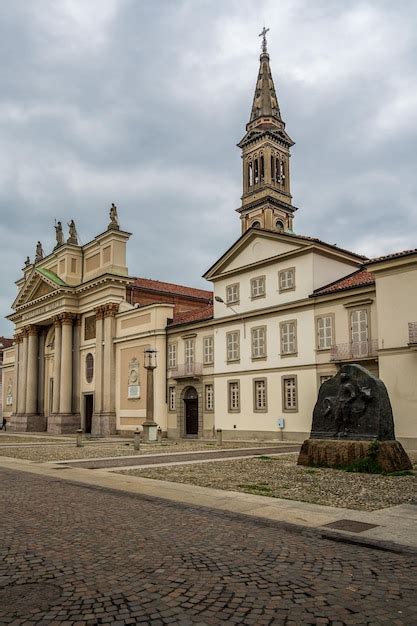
<point x="149" y="425"/>
<point x="228" y="306"/>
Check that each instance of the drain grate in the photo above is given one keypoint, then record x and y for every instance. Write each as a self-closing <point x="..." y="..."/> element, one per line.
<point x="24" y="598"/>
<point x="350" y="525"/>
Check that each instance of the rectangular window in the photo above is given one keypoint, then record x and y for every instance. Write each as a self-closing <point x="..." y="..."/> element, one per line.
<point x="259" y="391"/>
<point x="189" y="355"/>
<point x="232" y="345"/>
<point x="257" y="287"/>
<point x="234" y="396"/>
<point x="172" y="355"/>
<point x="324" y="332"/>
<point x="288" y="337"/>
<point x="359" y="333"/>
<point x="289" y="393"/>
<point x="324" y="378"/>
<point x="232" y="294"/>
<point x="286" y="279"/>
<point x="171" y="398"/>
<point x="209" y="396"/>
<point x="208" y="350"/>
<point x="258" y="342"/>
<point x="90" y="327"/>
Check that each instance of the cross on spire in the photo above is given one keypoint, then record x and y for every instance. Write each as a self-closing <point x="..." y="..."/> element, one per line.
<point x="263" y="35"/>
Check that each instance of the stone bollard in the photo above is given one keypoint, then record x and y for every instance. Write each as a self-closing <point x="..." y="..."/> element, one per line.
<point x="219" y="436"/>
<point x="159" y="434"/>
<point x="80" y="443"/>
<point x="136" y="439"/>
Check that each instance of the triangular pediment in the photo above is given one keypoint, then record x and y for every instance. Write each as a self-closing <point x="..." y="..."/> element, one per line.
<point x="39" y="284"/>
<point x="255" y="246"/>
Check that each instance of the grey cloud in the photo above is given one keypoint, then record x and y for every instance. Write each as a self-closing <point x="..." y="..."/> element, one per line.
<point x="142" y="103"/>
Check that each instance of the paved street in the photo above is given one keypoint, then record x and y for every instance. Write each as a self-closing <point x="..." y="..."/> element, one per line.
<point x="75" y="554"/>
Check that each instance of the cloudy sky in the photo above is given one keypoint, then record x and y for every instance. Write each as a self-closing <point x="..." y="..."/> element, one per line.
<point x="141" y="103"/>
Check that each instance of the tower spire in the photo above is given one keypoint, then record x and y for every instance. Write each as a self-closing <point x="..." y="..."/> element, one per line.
<point x="266" y="199"/>
<point x="265" y="101"/>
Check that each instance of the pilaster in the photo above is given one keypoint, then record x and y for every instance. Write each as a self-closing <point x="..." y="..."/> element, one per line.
<point x="32" y="371"/>
<point x="57" y="364"/>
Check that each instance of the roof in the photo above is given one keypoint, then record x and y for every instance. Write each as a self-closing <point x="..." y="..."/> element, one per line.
<point x="394" y="255"/>
<point x="5" y="342"/>
<point x="198" y="315"/>
<point x="51" y="275"/>
<point x="360" y="278"/>
<point x="172" y="288"/>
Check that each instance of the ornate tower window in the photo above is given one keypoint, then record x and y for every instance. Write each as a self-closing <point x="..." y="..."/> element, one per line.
<point x="262" y="168"/>
<point x="250" y="174"/>
<point x="279" y="225"/>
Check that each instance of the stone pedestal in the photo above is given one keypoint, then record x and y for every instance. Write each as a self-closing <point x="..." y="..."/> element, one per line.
<point x="389" y="455"/>
<point x="150" y="431"/>
<point x="27" y="423"/>
<point x="64" y="424"/>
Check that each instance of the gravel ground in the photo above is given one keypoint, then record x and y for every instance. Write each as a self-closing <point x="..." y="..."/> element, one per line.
<point x="6" y="438"/>
<point x="280" y="477"/>
<point x="69" y="451"/>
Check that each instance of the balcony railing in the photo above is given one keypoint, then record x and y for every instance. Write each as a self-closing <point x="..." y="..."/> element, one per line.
<point x="354" y="351"/>
<point x="187" y="370"/>
<point x="412" y="333"/>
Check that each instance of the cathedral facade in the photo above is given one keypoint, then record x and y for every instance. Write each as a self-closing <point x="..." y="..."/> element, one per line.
<point x="248" y="356"/>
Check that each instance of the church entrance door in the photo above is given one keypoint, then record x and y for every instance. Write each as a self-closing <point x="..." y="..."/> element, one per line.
<point x="191" y="411"/>
<point x="88" y="412"/>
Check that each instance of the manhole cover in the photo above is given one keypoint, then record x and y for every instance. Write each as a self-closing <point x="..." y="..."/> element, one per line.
<point x="350" y="525"/>
<point x="23" y="598"/>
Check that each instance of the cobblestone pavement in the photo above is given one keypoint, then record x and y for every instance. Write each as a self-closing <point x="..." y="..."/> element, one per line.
<point x="72" y="554"/>
<point x="180" y="458"/>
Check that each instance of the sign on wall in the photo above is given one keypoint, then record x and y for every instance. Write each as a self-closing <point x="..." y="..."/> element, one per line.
<point x="133" y="388"/>
<point x="9" y="395"/>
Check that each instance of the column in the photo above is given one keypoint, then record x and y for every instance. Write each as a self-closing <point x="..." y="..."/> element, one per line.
<point x="76" y="366"/>
<point x="17" y="351"/>
<point x="23" y="372"/>
<point x="32" y="371"/>
<point x="57" y="364"/>
<point x="98" y="362"/>
<point x="41" y="372"/>
<point x="110" y="311"/>
<point x="65" y="388"/>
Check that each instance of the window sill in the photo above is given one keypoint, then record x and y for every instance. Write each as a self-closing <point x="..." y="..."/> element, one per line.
<point x="233" y="361"/>
<point x="290" y="410"/>
<point x="259" y="358"/>
<point x="260" y="410"/>
<point x="285" y="290"/>
<point x="288" y="354"/>
<point x="263" y="295"/>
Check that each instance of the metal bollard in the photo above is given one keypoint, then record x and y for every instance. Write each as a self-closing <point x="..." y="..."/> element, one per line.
<point x="219" y="435"/>
<point x="80" y="443"/>
<point x="159" y="434"/>
<point x="136" y="439"/>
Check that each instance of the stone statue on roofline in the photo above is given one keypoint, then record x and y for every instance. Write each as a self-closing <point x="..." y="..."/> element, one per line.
<point x="39" y="252"/>
<point x="59" y="234"/>
<point x="73" y="237"/>
<point x="114" y="218"/>
<point x="27" y="262"/>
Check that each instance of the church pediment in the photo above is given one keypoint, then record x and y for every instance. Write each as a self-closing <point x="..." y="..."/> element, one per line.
<point x="39" y="284"/>
<point x="253" y="247"/>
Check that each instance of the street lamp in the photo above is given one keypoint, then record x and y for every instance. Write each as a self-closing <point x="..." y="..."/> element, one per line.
<point x="228" y="306"/>
<point x="149" y="425"/>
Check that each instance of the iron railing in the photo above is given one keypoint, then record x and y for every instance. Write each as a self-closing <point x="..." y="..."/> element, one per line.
<point x="354" y="350"/>
<point x="187" y="370"/>
<point x="412" y="333"/>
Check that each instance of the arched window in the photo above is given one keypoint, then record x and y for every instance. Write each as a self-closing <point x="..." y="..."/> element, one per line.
<point x="250" y="173"/>
<point x="282" y="172"/>
<point x="277" y="170"/>
<point x="279" y="225"/>
<point x="272" y="168"/>
<point x="262" y="168"/>
<point x="256" y="171"/>
<point x="89" y="367"/>
<point x="256" y="224"/>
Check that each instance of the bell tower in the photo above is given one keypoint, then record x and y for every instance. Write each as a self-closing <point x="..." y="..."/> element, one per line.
<point x="266" y="199"/>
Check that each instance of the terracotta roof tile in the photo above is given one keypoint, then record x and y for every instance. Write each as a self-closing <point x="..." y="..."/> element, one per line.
<point x="198" y="315"/>
<point x="359" y="278"/>
<point x="394" y="255"/>
<point x="172" y="288"/>
<point x="6" y="343"/>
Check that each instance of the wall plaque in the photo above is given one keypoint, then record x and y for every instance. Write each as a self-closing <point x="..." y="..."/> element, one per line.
<point x="133" y="387"/>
